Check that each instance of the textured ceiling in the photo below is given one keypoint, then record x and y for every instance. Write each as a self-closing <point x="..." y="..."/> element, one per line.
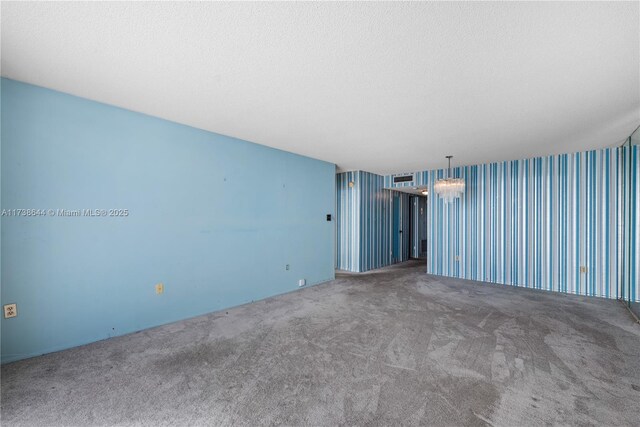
<point x="382" y="87"/>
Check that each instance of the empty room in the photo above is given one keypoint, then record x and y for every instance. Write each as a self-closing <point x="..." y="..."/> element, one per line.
<point x="320" y="213"/>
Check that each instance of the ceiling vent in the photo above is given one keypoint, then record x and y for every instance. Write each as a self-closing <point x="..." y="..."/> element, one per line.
<point x="405" y="178"/>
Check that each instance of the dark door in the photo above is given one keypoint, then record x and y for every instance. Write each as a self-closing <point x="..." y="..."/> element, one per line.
<point x="396" y="248"/>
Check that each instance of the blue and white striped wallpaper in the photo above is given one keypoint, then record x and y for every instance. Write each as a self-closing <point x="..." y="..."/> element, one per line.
<point x="365" y="222"/>
<point x="375" y="222"/>
<point x="348" y="221"/>
<point x="630" y="289"/>
<point x="535" y="222"/>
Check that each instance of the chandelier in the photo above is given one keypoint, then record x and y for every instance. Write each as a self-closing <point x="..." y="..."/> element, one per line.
<point x="449" y="188"/>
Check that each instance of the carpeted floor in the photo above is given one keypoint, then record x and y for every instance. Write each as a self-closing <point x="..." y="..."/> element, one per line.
<point x="383" y="348"/>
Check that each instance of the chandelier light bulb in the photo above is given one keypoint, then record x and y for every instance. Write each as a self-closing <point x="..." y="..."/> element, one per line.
<point x="449" y="189"/>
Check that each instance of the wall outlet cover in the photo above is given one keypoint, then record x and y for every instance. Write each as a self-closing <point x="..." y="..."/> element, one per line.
<point x="302" y="282"/>
<point x="10" y="310"/>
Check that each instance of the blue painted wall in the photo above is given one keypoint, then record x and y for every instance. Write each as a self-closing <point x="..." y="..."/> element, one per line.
<point x="365" y="222"/>
<point x="214" y="218"/>
<point x="534" y="222"/>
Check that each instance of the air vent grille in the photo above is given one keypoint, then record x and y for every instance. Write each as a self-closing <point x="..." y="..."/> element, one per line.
<point x="405" y="178"/>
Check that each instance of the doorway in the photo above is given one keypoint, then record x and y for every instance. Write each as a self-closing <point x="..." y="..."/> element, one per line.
<point x="408" y="225"/>
<point x="418" y="227"/>
<point x="396" y="232"/>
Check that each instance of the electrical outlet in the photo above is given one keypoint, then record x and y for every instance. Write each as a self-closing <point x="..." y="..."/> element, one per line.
<point x="457" y="257"/>
<point x="10" y="310"/>
<point x="583" y="269"/>
<point x="286" y="267"/>
<point x="159" y="288"/>
<point x="302" y="282"/>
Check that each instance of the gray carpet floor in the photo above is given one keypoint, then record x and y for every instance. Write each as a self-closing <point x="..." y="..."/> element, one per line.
<point x="395" y="346"/>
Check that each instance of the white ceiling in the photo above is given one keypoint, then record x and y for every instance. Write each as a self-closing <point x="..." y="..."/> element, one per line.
<point x="382" y="87"/>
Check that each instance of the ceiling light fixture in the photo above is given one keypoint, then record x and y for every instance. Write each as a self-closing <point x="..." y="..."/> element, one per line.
<point x="449" y="188"/>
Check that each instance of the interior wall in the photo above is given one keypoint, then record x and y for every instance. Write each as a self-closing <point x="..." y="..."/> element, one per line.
<point x="630" y="291"/>
<point x="634" y="244"/>
<point x="213" y="218"/>
<point x="348" y="221"/>
<point x="376" y="215"/>
<point x="365" y="222"/>
<point x="534" y="223"/>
